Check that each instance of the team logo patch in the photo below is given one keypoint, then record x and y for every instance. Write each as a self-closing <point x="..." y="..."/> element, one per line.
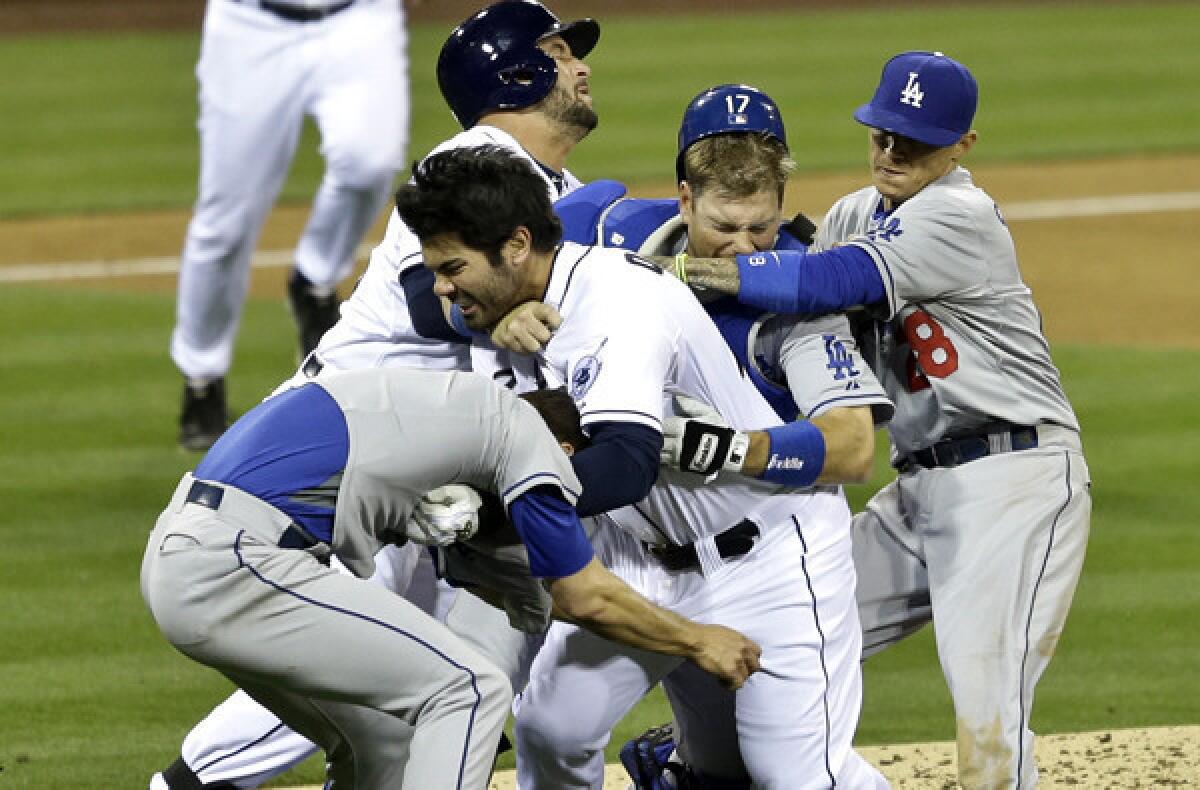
<point x="912" y="93"/>
<point x="841" y="361"/>
<point x="583" y="375"/>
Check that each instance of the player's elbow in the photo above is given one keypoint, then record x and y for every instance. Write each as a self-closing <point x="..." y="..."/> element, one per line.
<point x="849" y="445"/>
<point x="582" y="597"/>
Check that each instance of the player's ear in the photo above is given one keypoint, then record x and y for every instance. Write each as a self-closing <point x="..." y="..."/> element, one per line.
<point x="686" y="202"/>
<point x="519" y="245"/>
<point x="964" y="144"/>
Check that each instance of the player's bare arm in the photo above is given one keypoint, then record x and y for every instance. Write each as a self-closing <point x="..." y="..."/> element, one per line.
<point x="714" y="274"/>
<point x="835" y="447"/>
<point x="849" y="436"/>
<point x="595" y="599"/>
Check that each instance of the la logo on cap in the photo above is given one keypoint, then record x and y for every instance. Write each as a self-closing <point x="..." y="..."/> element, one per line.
<point x="912" y="93"/>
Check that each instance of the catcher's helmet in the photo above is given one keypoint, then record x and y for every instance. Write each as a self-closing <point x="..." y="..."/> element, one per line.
<point x="724" y="109"/>
<point x="492" y="61"/>
<point x="923" y="95"/>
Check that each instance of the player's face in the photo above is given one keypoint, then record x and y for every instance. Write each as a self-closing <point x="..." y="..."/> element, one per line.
<point x="721" y="226"/>
<point x="901" y="167"/>
<point x="570" y="101"/>
<point x="485" y="289"/>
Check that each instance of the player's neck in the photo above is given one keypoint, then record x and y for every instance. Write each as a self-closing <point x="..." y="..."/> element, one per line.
<point x="545" y="140"/>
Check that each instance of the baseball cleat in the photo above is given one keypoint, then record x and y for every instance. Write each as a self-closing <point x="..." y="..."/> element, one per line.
<point x="204" y="417"/>
<point x="314" y="315"/>
<point x="179" y="776"/>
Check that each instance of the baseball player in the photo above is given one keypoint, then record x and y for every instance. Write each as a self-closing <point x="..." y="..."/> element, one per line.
<point x="234" y="577"/>
<point x="263" y="66"/>
<point x="773" y="564"/>
<point x="732" y="167"/>
<point x="984" y="529"/>
<point x="392" y="318"/>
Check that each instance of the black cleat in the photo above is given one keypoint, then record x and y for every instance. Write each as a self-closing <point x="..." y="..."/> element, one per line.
<point x="204" y="416"/>
<point x="314" y="315"/>
<point x="180" y="777"/>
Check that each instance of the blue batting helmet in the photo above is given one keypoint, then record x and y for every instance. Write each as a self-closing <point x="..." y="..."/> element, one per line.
<point x="492" y="61"/>
<point x="923" y="95"/>
<point x="724" y="109"/>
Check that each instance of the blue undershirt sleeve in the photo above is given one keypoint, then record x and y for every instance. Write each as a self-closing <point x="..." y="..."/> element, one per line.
<point x="550" y="529"/>
<point x="790" y="282"/>
<point x="425" y="308"/>
<point x="618" y="468"/>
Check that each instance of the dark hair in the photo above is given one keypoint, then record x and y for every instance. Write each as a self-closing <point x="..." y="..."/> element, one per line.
<point x="561" y="415"/>
<point x="482" y="195"/>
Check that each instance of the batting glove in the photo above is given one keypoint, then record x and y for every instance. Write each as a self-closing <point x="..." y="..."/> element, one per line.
<point x="445" y="515"/>
<point x="700" y="441"/>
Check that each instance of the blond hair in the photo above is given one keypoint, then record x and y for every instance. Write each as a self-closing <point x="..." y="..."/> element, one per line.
<point x="738" y="164"/>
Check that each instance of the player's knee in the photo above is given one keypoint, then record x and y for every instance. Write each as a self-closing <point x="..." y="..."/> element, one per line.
<point x="539" y="731"/>
<point x="495" y="692"/>
<point x="362" y="168"/>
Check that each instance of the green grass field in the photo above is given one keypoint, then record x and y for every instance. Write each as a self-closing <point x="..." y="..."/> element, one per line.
<point x="93" y="697"/>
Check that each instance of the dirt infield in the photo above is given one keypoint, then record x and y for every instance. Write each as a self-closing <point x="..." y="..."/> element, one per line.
<point x="1089" y="273"/>
<point x="1158" y="757"/>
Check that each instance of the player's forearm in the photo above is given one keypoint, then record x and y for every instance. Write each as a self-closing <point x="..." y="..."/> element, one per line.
<point x="597" y="600"/>
<point x="789" y="281"/>
<point x="849" y="447"/>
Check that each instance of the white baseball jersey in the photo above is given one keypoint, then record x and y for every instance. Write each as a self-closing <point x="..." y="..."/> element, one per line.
<point x="631" y="337"/>
<point x="627" y="371"/>
<point x="376" y="328"/>
<point x="962" y="345"/>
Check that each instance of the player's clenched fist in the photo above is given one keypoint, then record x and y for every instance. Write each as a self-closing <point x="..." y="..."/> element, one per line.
<point x="527" y="328"/>
<point x="728" y="655"/>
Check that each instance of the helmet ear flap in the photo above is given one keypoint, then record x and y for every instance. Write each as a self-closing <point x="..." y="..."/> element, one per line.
<point x="525" y="82"/>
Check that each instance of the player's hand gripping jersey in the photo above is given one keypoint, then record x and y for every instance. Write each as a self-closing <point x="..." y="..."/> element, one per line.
<point x="778" y="353"/>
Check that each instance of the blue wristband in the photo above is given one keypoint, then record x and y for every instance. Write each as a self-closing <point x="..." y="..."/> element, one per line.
<point x="770" y="280"/>
<point x="796" y="454"/>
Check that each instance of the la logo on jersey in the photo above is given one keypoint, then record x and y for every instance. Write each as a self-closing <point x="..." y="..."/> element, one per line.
<point x="912" y="94"/>
<point x="841" y="362"/>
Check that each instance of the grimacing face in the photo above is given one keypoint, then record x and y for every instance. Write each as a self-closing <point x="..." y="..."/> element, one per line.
<point x="721" y="226"/>
<point x="901" y="167"/>
<point x="485" y="290"/>
<point x="570" y="100"/>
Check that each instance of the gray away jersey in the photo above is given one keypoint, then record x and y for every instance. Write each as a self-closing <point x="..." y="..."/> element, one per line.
<point x="961" y="343"/>
<point x="813" y="358"/>
<point x="412" y="431"/>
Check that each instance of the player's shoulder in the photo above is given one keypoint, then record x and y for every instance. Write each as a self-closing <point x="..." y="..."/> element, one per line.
<point x="955" y="192"/>
<point x="646" y="225"/>
<point x="477" y="136"/>
<point x="589" y="273"/>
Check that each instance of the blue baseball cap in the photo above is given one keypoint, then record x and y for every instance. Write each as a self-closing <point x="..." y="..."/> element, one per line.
<point x="925" y="96"/>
